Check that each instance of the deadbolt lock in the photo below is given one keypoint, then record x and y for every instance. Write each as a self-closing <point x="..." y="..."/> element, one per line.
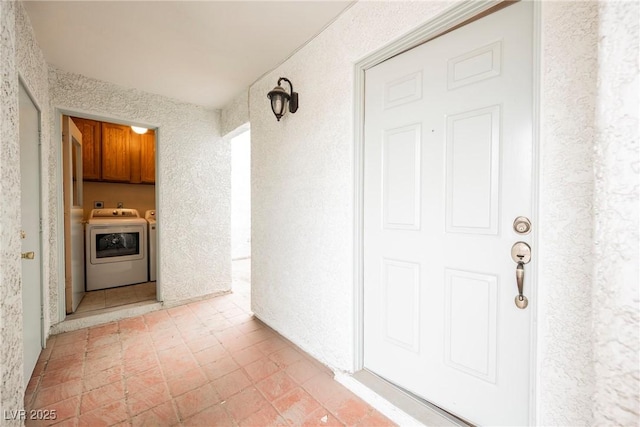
<point x="522" y="225"/>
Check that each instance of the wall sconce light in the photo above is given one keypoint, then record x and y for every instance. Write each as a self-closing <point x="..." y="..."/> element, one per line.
<point x="279" y="99"/>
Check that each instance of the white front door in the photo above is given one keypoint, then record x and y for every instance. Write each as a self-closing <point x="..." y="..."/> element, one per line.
<point x="29" y="119"/>
<point x="73" y="214"/>
<point x="448" y="153"/>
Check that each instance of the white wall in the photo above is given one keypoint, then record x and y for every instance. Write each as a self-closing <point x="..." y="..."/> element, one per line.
<point x="11" y="350"/>
<point x="565" y="230"/>
<point x="235" y="114"/>
<point x="302" y="192"/>
<point x="33" y="70"/>
<point x="302" y="184"/>
<point x="616" y="292"/>
<point x="241" y="196"/>
<point x="193" y="172"/>
<point x="19" y="57"/>
<point x="141" y="197"/>
<point x="192" y="179"/>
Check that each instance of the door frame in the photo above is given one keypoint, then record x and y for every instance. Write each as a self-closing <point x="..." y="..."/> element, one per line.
<point x="58" y="112"/>
<point x="43" y="336"/>
<point x="452" y="18"/>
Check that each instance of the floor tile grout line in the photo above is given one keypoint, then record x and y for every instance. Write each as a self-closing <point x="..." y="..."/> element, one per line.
<point x="234" y="323"/>
<point x="280" y="414"/>
<point x="124" y="381"/>
<point x="173" y="398"/>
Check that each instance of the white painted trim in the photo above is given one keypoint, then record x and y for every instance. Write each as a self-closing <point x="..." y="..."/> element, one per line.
<point x="57" y="147"/>
<point x="535" y="206"/>
<point x="358" y="218"/>
<point x="450" y="18"/>
<point x="455" y="15"/>
<point x="378" y="402"/>
<point x="159" y="288"/>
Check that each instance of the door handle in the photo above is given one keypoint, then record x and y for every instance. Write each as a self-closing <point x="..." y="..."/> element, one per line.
<point x="521" y="300"/>
<point x="28" y="255"/>
<point x="521" y="254"/>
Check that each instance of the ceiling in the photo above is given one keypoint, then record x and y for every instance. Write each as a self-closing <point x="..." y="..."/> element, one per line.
<point x="200" y="52"/>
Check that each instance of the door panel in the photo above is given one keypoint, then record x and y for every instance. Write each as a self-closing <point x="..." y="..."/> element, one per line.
<point x="473" y="169"/>
<point x="91" y="148"/>
<point x="72" y="157"/>
<point x="448" y="149"/>
<point x="470" y="323"/>
<point x="30" y="223"/>
<point x="401" y="312"/>
<point x="401" y="178"/>
<point x="474" y="66"/>
<point x="403" y="90"/>
<point x="116" y="158"/>
<point x="148" y="157"/>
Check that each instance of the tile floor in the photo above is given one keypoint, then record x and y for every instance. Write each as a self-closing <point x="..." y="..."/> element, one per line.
<point x="208" y="363"/>
<point x="114" y="297"/>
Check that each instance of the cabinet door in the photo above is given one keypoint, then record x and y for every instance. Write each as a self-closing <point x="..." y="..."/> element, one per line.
<point x="116" y="159"/>
<point x="148" y="158"/>
<point x="91" y="149"/>
<point x="135" y="155"/>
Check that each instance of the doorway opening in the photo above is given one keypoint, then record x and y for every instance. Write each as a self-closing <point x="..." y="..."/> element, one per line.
<point x="116" y="237"/>
<point x="241" y="213"/>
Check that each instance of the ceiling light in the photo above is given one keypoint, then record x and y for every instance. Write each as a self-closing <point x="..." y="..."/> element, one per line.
<point x="279" y="98"/>
<point x="139" y="130"/>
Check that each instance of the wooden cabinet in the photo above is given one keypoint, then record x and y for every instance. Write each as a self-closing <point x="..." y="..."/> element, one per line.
<point x="116" y="156"/>
<point x="148" y="157"/>
<point x="134" y="152"/>
<point x="91" y="150"/>
<point x="143" y="159"/>
<point x="115" y="153"/>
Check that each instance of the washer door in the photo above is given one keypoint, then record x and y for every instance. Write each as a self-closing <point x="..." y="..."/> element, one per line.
<point x="111" y="244"/>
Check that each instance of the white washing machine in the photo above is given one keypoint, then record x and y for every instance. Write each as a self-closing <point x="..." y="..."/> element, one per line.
<point x="150" y="216"/>
<point x="116" y="247"/>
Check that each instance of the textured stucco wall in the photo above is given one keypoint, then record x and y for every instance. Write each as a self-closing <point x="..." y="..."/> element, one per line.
<point x="235" y="114"/>
<point x="568" y="89"/>
<point x="11" y="350"/>
<point x="302" y="199"/>
<point x="192" y="179"/>
<point x="34" y="73"/>
<point x="616" y="292"/>
<point x="20" y="58"/>
<point x="194" y="202"/>
<point x="302" y="182"/>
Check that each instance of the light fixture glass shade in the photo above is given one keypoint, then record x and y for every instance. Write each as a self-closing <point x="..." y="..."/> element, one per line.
<point x="279" y="98"/>
<point x="139" y="130"/>
<point x="277" y="105"/>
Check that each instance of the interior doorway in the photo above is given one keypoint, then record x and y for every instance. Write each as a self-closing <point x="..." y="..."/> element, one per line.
<point x="117" y="205"/>
<point x="241" y="212"/>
